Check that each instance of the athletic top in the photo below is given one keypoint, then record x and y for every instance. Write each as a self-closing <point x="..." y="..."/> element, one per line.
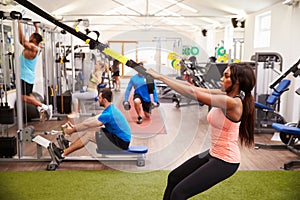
<point x="224" y="136"/>
<point x="93" y="82"/>
<point x="115" y="68"/>
<point x="115" y="123"/>
<point x="28" y="67"/>
<point x="140" y="88"/>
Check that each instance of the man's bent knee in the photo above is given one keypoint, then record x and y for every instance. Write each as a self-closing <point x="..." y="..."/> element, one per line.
<point x="88" y="136"/>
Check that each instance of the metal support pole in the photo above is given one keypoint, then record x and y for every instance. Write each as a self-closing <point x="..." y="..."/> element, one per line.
<point x="18" y="87"/>
<point x="72" y="65"/>
<point x="54" y="70"/>
<point x="3" y="64"/>
<point x="45" y="71"/>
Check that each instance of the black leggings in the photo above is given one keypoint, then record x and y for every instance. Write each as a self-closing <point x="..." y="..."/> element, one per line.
<point x="196" y="175"/>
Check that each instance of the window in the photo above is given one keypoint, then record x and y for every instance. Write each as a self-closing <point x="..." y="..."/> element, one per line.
<point x="262" y="29"/>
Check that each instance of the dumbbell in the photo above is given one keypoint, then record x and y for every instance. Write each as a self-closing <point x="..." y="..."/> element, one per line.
<point x="126" y="105"/>
<point x="153" y="105"/>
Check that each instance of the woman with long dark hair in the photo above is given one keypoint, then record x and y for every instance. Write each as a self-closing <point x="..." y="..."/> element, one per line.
<point x="231" y="120"/>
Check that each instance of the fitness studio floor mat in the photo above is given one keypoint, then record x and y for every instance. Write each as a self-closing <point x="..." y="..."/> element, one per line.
<point x="155" y="125"/>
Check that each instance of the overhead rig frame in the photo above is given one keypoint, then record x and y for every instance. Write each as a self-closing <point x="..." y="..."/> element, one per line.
<point x="92" y="43"/>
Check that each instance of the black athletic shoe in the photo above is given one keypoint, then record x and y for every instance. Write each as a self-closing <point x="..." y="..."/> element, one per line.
<point x="63" y="141"/>
<point x="57" y="151"/>
<point x="140" y="120"/>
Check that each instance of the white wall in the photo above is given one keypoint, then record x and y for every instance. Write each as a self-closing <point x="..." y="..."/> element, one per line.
<point x="285" y="40"/>
<point x="150" y="39"/>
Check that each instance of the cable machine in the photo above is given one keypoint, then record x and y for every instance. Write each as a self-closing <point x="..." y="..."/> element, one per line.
<point x="268" y="65"/>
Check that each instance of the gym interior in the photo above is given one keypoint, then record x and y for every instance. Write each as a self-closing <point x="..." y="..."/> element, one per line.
<point x="190" y="40"/>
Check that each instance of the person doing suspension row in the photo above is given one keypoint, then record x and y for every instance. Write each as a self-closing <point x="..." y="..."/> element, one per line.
<point x="231" y="120"/>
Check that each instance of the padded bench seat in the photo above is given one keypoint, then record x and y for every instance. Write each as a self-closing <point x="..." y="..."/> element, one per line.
<point x="130" y="150"/>
<point x="286" y="129"/>
<point x="136" y="153"/>
<point x="295" y="133"/>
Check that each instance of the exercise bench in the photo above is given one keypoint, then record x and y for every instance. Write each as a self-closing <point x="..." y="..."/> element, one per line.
<point x="135" y="153"/>
<point x="293" y="133"/>
<point x="267" y="113"/>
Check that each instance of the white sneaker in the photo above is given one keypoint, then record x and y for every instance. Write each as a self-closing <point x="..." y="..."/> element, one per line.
<point x="50" y="112"/>
<point x="42" y="115"/>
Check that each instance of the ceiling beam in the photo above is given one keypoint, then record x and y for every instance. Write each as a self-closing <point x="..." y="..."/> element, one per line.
<point x="152" y="16"/>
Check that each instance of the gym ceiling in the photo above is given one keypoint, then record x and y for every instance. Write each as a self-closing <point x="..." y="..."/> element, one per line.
<point x="125" y="15"/>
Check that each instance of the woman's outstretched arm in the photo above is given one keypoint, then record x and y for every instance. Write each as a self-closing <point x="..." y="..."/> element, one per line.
<point x="215" y="97"/>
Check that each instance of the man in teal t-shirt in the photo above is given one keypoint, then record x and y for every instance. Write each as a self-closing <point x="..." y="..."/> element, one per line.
<point x="28" y="60"/>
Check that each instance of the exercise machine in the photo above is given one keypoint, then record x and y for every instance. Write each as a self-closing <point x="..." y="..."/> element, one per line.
<point x="268" y="112"/>
<point x="205" y="75"/>
<point x="93" y="44"/>
<point x="191" y="72"/>
<point x="133" y="153"/>
<point x="268" y="65"/>
<point x="289" y="132"/>
<point x="290" y="136"/>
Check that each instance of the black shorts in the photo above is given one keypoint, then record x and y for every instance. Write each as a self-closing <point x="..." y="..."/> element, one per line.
<point x="109" y="142"/>
<point x="146" y="105"/>
<point x="117" y="73"/>
<point x="26" y="88"/>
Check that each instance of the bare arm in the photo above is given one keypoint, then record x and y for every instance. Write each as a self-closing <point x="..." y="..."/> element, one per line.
<point x="215" y="98"/>
<point x="92" y="122"/>
<point x="210" y="91"/>
<point x="21" y="36"/>
<point x="36" y="26"/>
<point x="25" y="43"/>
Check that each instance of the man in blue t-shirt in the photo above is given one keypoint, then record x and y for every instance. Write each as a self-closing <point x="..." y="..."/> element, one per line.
<point x="115" y="135"/>
<point x="141" y="96"/>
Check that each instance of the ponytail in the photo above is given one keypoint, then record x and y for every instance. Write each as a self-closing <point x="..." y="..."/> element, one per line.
<point x="246" y="131"/>
<point x="244" y="74"/>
